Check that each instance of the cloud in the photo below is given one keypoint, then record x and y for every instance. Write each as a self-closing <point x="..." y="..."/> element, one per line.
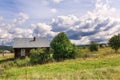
<point x="57" y="1"/>
<point x="20" y="33"/>
<point x="22" y="17"/>
<point x="53" y="10"/>
<point x="43" y="30"/>
<point x="84" y="40"/>
<point x="63" y="23"/>
<point x="38" y="9"/>
<point x="10" y="30"/>
<point x="25" y="16"/>
<point x="99" y="25"/>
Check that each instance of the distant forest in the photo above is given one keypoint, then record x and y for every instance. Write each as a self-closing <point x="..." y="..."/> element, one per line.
<point x="9" y="48"/>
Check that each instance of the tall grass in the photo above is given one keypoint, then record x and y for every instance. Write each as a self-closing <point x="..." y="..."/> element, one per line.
<point x="6" y="56"/>
<point x="104" y="65"/>
<point x="107" y="68"/>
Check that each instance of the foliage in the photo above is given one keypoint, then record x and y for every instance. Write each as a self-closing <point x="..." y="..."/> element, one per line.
<point x="93" y="46"/>
<point x="22" y="62"/>
<point x="39" y="56"/>
<point x="114" y="42"/>
<point x="76" y="51"/>
<point x="62" y="47"/>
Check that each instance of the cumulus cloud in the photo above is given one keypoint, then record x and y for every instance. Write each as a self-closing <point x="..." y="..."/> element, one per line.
<point x="22" y="17"/>
<point x="63" y="23"/>
<point x="99" y="25"/>
<point x="8" y="31"/>
<point x="43" y="30"/>
<point x="19" y="32"/>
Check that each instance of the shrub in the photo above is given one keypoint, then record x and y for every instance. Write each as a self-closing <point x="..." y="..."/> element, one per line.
<point x="93" y="46"/>
<point x="22" y="62"/>
<point x="114" y="42"/>
<point x="39" y="56"/>
<point x="75" y="51"/>
<point x="8" y="65"/>
<point x="62" y="47"/>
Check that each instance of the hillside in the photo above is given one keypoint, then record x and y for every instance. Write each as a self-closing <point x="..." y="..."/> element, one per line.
<point x="98" y="67"/>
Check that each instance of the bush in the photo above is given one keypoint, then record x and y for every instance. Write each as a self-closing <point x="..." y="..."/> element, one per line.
<point x="62" y="47"/>
<point x="39" y="56"/>
<point x="75" y="51"/>
<point x="22" y="62"/>
<point x="93" y="46"/>
<point x="114" y="42"/>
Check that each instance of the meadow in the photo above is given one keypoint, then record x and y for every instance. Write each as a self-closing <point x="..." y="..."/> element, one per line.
<point x="103" y="64"/>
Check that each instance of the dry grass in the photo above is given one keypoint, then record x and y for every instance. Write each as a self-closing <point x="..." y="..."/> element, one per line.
<point x="104" y="66"/>
<point x="6" y="56"/>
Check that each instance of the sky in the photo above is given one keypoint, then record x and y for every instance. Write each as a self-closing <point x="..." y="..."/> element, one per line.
<point x="82" y="20"/>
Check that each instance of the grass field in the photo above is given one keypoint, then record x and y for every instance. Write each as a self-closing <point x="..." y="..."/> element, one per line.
<point x="105" y="65"/>
<point x="6" y="56"/>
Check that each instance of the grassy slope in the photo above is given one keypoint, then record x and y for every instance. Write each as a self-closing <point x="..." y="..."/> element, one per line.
<point x="103" y="67"/>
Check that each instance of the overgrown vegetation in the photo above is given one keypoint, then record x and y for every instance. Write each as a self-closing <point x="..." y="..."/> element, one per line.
<point x="39" y="56"/>
<point x="11" y="62"/>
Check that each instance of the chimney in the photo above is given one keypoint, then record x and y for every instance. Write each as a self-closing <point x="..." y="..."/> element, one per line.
<point x="34" y="38"/>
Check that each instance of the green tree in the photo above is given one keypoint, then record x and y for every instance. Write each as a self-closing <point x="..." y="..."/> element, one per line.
<point x="114" y="42"/>
<point x="62" y="47"/>
<point x="93" y="46"/>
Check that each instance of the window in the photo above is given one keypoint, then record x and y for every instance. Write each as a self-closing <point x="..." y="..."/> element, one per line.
<point x="22" y="52"/>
